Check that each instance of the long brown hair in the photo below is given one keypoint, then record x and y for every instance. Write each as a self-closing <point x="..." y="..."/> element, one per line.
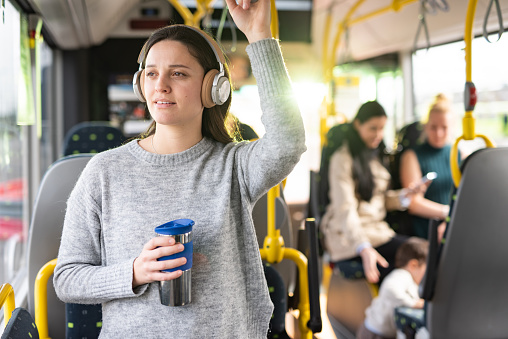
<point x="214" y="119"/>
<point x="361" y="154"/>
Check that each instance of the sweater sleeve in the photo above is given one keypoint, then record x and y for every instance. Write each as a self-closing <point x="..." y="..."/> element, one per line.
<point x="80" y="275"/>
<point x="267" y="161"/>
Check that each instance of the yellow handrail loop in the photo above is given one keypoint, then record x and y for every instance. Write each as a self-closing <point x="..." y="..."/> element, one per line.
<point x="41" y="298"/>
<point x="7" y="301"/>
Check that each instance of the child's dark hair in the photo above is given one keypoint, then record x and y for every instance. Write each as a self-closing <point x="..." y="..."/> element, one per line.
<point x="412" y="248"/>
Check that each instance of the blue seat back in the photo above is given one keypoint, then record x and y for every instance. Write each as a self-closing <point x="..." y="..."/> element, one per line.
<point x="278" y="295"/>
<point x="21" y="325"/>
<point x="92" y="137"/>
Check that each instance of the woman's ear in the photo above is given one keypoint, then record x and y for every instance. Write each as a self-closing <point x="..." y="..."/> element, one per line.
<point x="356" y="124"/>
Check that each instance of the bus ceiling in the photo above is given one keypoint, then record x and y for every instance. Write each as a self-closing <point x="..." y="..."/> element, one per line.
<point x="75" y="24"/>
<point x="377" y="27"/>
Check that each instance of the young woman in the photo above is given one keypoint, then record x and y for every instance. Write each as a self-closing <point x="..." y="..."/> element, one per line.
<point x="431" y="156"/>
<point x="186" y="167"/>
<point x="353" y="225"/>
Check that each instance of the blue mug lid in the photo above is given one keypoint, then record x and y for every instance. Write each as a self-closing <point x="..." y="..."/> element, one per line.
<point x="178" y="226"/>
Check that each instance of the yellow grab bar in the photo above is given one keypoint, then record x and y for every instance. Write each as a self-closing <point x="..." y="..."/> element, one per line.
<point x="183" y="11"/>
<point x="342" y="26"/>
<point x="468" y="36"/>
<point x="454" y="157"/>
<point x="303" y="305"/>
<point x="395" y="6"/>
<point x="7" y="301"/>
<point x="468" y="121"/>
<point x="274" y="20"/>
<point x="273" y="249"/>
<point x="41" y="298"/>
<point x="203" y="6"/>
<point x="329" y="60"/>
<point x="274" y="242"/>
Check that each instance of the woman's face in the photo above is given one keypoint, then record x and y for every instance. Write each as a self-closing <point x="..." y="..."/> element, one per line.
<point x="172" y="85"/>
<point x="371" y="131"/>
<point x="437" y="129"/>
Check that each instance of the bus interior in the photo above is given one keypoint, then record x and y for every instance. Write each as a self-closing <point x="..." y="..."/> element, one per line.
<point x="68" y="64"/>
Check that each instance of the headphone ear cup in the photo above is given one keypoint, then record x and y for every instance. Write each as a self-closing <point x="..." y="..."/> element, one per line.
<point x="138" y="82"/>
<point x="206" y="88"/>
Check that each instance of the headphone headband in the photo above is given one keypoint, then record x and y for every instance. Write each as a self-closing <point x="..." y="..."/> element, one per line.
<point x="219" y="56"/>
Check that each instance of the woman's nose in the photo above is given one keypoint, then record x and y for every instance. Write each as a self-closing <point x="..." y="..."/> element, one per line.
<point x="441" y="133"/>
<point x="162" y="85"/>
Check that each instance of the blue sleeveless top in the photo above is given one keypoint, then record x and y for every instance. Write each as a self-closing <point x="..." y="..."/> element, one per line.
<point x="433" y="160"/>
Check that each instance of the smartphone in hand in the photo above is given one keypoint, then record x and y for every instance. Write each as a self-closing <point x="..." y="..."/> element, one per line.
<point x="428" y="177"/>
<point x="424" y="180"/>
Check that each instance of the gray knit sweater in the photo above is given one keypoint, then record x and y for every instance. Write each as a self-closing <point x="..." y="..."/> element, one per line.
<point x="124" y="193"/>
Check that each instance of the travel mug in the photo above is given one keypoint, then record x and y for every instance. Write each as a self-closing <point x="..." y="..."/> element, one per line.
<point x="177" y="292"/>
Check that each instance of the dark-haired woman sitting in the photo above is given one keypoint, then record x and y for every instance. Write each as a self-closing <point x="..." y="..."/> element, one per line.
<point x="353" y="224"/>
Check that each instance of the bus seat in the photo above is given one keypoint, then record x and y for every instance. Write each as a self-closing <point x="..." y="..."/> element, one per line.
<point x="286" y="268"/>
<point x="470" y="298"/>
<point x="409" y="321"/>
<point x="278" y="295"/>
<point x="83" y="321"/>
<point x="46" y="229"/>
<point x="21" y="325"/>
<point x="465" y="293"/>
<point x="92" y="137"/>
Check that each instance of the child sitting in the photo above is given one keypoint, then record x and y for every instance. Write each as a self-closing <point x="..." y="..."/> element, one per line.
<point x="399" y="288"/>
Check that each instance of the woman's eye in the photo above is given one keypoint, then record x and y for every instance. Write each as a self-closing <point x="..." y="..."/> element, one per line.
<point x="150" y="74"/>
<point x="178" y="74"/>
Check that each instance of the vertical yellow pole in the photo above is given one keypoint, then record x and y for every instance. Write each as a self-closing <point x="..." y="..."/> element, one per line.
<point x="328" y="63"/>
<point x="273" y="193"/>
<point x="468" y="122"/>
<point x="274" y="20"/>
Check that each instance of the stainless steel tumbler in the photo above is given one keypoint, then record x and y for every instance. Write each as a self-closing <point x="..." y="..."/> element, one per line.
<point x="177" y="292"/>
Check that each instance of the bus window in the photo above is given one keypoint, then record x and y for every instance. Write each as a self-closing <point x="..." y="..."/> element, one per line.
<point x="441" y="69"/>
<point x="12" y="176"/>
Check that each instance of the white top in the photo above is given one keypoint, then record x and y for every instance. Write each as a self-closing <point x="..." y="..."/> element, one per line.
<point x="397" y="289"/>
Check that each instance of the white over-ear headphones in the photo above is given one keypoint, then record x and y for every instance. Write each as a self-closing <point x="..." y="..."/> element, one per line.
<point x="216" y="87"/>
